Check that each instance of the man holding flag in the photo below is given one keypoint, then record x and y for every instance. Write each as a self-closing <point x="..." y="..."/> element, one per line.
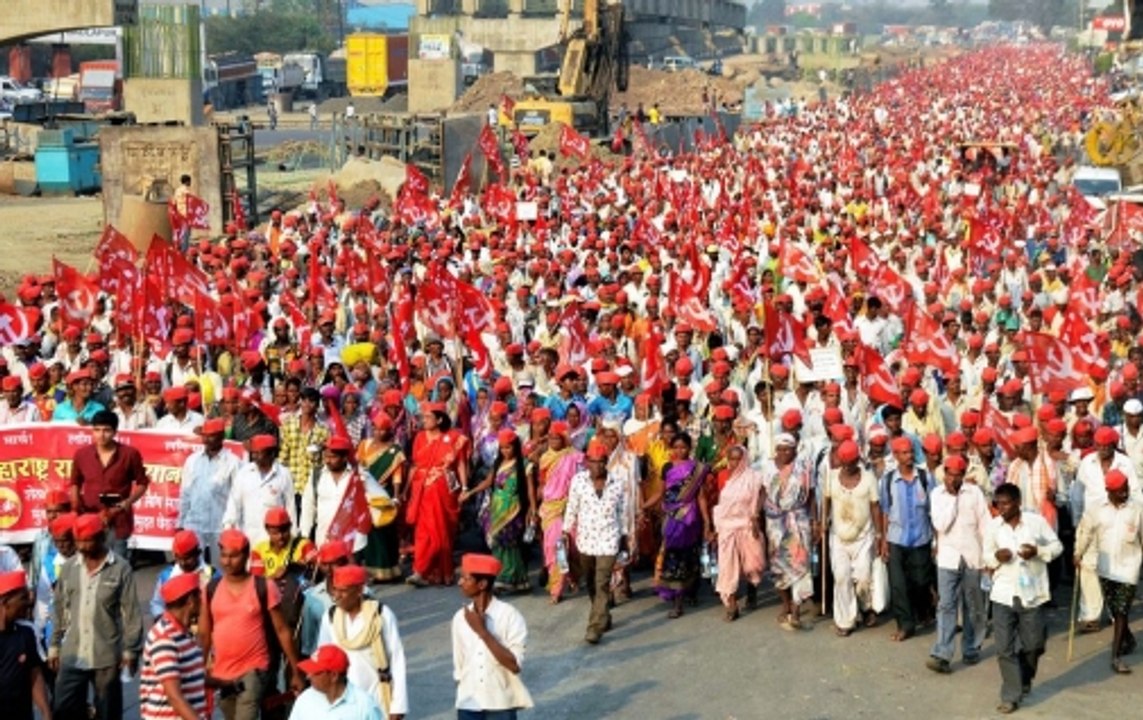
<point x="335" y="499"/>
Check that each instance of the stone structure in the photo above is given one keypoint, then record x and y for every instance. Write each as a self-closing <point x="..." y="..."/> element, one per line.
<point x="26" y="19"/>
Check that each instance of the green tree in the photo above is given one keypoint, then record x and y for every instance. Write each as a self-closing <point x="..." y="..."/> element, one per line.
<point x="1042" y="13"/>
<point x="767" y="12"/>
<point x="291" y="28"/>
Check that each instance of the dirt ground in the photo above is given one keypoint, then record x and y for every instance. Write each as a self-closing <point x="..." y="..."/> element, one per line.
<point x="36" y="228"/>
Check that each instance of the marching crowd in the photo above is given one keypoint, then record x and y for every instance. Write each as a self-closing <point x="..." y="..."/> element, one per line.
<point x="877" y="350"/>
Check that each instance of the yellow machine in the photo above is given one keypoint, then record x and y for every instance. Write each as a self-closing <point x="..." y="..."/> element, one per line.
<point x="595" y="59"/>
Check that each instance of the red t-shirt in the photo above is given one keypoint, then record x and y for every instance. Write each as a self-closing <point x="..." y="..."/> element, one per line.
<point x="239" y="640"/>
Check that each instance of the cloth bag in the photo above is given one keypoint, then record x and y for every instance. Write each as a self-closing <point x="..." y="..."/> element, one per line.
<point x="879" y="591"/>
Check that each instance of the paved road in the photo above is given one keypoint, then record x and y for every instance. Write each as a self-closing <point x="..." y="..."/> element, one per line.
<point x="699" y="667"/>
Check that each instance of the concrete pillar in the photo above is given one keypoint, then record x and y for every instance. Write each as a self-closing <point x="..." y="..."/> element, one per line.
<point x="20" y="62"/>
<point x="515" y="7"/>
<point x="160" y="100"/>
<point x="522" y="64"/>
<point x="424" y="7"/>
<point x="468" y="7"/>
<point x="61" y="61"/>
<point x="434" y="84"/>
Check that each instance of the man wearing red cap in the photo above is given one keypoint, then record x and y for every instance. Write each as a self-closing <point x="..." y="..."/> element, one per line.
<point x="368" y="633"/>
<point x="318" y="599"/>
<point x="79" y="407"/>
<point x="188" y="561"/>
<point x="133" y="415"/>
<point x="326" y="490"/>
<point x="107" y="477"/>
<point x="172" y="682"/>
<point x="208" y="475"/>
<point x="242" y="625"/>
<point x="22" y="684"/>
<point x="177" y="418"/>
<point x="488" y="641"/>
<point x="15" y="408"/>
<point x="1115" y="528"/>
<point x="97" y="626"/>
<point x="303" y="436"/>
<point x="331" y="695"/>
<point x="258" y="486"/>
<point x="851" y="504"/>
<point x="960" y="519"/>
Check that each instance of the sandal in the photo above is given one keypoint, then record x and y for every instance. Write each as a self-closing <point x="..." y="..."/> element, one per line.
<point x="1006" y="708"/>
<point x="842" y="632"/>
<point x="788" y="623"/>
<point x="900" y="636"/>
<point x="731" y="615"/>
<point x="1091" y="626"/>
<point x="675" y="613"/>
<point x="1118" y="666"/>
<point x="870" y="619"/>
<point x="751" y="597"/>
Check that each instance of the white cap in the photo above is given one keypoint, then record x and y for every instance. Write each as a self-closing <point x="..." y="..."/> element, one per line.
<point x="1133" y="407"/>
<point x="1081" y="393"/>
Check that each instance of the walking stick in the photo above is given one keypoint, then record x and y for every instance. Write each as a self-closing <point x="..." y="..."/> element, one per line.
<point x="1072" y="623"/>
<point x="822" y="563"/>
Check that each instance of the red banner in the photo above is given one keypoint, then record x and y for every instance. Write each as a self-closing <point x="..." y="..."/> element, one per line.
<point x="36" y="457"/>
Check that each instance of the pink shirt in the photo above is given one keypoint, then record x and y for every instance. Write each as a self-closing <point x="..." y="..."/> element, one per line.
<point x="239" y="640"/>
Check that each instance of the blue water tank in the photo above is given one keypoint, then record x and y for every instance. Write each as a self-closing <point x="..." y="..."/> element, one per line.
<point x="65" y="167"/>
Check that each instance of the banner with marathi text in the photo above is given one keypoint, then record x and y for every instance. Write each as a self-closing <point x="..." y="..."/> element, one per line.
<point x="36" y="457"/>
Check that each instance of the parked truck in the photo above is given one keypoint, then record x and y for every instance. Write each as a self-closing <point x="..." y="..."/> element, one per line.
<point x="231" y="80"/>
<point x="100" y="86"/>
<point x="376" y="65"/>
<point x="279" y="75"/>
<point x="322" y="77"/>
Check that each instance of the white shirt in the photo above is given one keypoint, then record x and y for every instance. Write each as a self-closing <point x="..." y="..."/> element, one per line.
<point x="482" y="683"/>
<point x="597" y="521"/>
<point x="1118" y="534"/>
<point x="960" y="521"/>
<point x="330" y="493"/>
<point x="1089" y="476"/>
<point x="205" y="490"/>
<point x="252" y="494"/>
<point x="363" y="669"/>
<point x="170" y="423"/>
<point x="1034" y="530"/>
<point x="26" y="412"/>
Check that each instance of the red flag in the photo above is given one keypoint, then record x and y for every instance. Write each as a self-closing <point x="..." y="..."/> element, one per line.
<point x="1090" y="350"/>
<point x="179" y="223"/>
<point x="689" y="307"/>
<point x="1052" y="363"/>
<point x="16" y="323"/>
<point x="927" y="343"/>
<point x="865" y="263"/>
<point x="700" y="270"/>
<point x="475" y="314"/>
<point x="500" y="203"/>
<point x="210" y="322"/>
<point x="114" y="245"/>
<point x="490" y="146"/>
<point x="520" y="144"/>
<point x="794" y="262"/>
<point x="617" y="140"/>
<point x="77" y="294"/>
<point x="380" y="286"/>
<point x="156" y="316"/>
<point x="507" y="106"/>
<point x="415" y="180"/>
<point x="436" y="298"/>
<point x="572" y="143"/>
<point x="401" y="331"/>
<point x="653" y="367"/>
<point x="237" y="211"/>
<point x="877" y="382"/>
<point x="332" y="193"/>
<point x="463" y="183"/>
<point x="176" y="275"/>
<point x="992" y="419"/>
<point x="785" y="335"/>
<point x="891" y="288"/>
<point x="198" y="211"/>
<point x="573" y="348"/>
<point x="352" y="514"/>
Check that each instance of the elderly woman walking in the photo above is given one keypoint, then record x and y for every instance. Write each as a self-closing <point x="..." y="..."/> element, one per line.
<point x="686" y="516"/>
<point x="736" y="522"/>
<point x="788" y="503"/>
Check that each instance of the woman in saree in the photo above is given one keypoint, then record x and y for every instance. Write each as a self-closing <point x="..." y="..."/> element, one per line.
<point x="788" y="499"/>
<point x="736" y="525"/>
<point x="485" y="438"/>
<point x="456" y="404"/>
<point x="558" y="465"/>
<point x="440" y="468"/>
<point x="650" y="523"/>
<point x="686" y="520"/>
<point x="580" y="430"/>
<point x="352" y="414"/>
<point x="509" y="510"/>
<point x="385" y="461"/>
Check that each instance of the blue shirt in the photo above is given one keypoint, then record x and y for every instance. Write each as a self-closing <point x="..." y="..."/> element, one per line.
<point x="906" y="504"/>
<point x="558" y="406"/>
<point x="353" y="704"/>
<point x="65" y="411"/>
<point x="619" y="409"/>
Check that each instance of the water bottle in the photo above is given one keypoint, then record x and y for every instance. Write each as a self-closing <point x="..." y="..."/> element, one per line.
<point x="1025" y="579"/>
<point x="712" y="553"/>
<point x="986" y="582"/>
<point x="530" y="534"/>
<point x="704" y="561"/>
<point x="562" y="556"/>
<point x="622" y="558"/>
<point x="815" y="563"/>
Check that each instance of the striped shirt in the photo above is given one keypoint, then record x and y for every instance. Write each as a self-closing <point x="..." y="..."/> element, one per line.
<point x="170" y="653"/>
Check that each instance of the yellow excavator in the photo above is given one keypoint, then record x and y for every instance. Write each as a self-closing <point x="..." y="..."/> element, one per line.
<point x="595" y="60"/>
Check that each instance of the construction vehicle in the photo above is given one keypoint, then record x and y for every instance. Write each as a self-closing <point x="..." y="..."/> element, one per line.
<point x="1116" y="138"/>
<point x="376" y="64"/>
<point x="595" y="60"/>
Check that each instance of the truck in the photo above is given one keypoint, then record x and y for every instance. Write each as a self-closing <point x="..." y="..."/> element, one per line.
<point x="377" y="65"/>
<point x="13" y="93"/>
<point x="231" y="80"/>
<point x="278" y="74"/>
<point x="475" y="60"/>
<point x="322" y="77"/>
<point x="100" y="86"/>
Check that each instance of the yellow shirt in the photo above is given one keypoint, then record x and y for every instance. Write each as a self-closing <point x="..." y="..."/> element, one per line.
<point x="265" y="560"/>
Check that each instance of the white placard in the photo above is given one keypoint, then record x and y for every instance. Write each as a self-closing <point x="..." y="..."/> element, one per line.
<point x="972" y="189"/>
<point x="827" y="366"/>
<point x="527" y="211"/>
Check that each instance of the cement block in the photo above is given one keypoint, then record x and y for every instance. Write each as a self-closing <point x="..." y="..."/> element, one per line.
<point x="134" y="156"/>
<point x="155" y="100"/>
<point x="522" y="64"/>
<point x="434" y="84"/>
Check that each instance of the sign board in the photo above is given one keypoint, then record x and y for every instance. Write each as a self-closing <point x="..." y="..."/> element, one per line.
<point x="126" y="12"/>
<point x="87" y="36"/>
<point x="527" y="211"/>
<point x="972" y="189"/>
<point x="435" y="47"/>
<point x="1110" y="23"/>
<point x="827" y="366"/>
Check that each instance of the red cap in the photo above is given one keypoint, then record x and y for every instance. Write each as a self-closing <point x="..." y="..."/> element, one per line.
<point x="540" y="414"/>
<point x="332" y="551"/>
<point x="841" y="432"/>
<point x="213" y="426"/>
<point x="233" y="540"/>
<point x="12" y="581"/>
<point x="328" y="658"/>
<point x="901" y="444"/>
<point x="791" y="419"/>
<point x="339" y="443"/>
<point x="506" y="437"/>
<point x="1114" y="480"/>
<point x="724" y="412"/>
<point x="56" y="497"/>
<point x="179" y="587"/>
<point x="184" y="543"/>
<point x="1057" y="426"/>
<point x="833" y="416"/>
<point x="88" y="526"/>
<point x="173" y="394"/>
<point x="956" y="440"/>
<point x="955" y="463"/>
<point x="1023" y="436"/>
<point x="983" y="436"/>
<point x="596" y="450"/>
<point x="559" y="427"/>
<point x="606" y="378"/>
<point x="1106" y="435"/>
<point x="63" y="525"/>
<point x="277" y="517"/>
<point x="263" y="442"/>
<point x="349" y="576"/>
<point x="391" y="398"/>
<point x="847" y="452"/>
<point x="182" y="336"/>
<point x="931" y="443"/>
<point x="478" y="564"/>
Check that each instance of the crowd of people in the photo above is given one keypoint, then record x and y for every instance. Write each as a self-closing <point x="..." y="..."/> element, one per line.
<point x="876" y="350"/>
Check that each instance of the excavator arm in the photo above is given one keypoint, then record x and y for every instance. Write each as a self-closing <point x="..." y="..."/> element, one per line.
<point x="595" y="54"/>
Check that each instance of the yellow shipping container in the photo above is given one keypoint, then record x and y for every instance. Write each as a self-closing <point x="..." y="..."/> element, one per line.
<point x="376" y="65"/>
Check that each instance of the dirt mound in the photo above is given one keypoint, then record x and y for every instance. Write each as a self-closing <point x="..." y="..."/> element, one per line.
<point x="488" y="90"/>
<point x="360" y="178"/>
<point x="548" y="140"/>
<point x="678" y="93"/>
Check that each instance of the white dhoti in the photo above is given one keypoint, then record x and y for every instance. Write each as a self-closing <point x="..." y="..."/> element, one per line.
<point x="1091" y="595"/>
<point x="852" y="564"/>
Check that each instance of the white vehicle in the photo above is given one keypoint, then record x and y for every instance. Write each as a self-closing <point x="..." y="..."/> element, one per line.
<point x="1096" y="183"/>
<point x="674" y="63"/>
<point x="15" y="93"/>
